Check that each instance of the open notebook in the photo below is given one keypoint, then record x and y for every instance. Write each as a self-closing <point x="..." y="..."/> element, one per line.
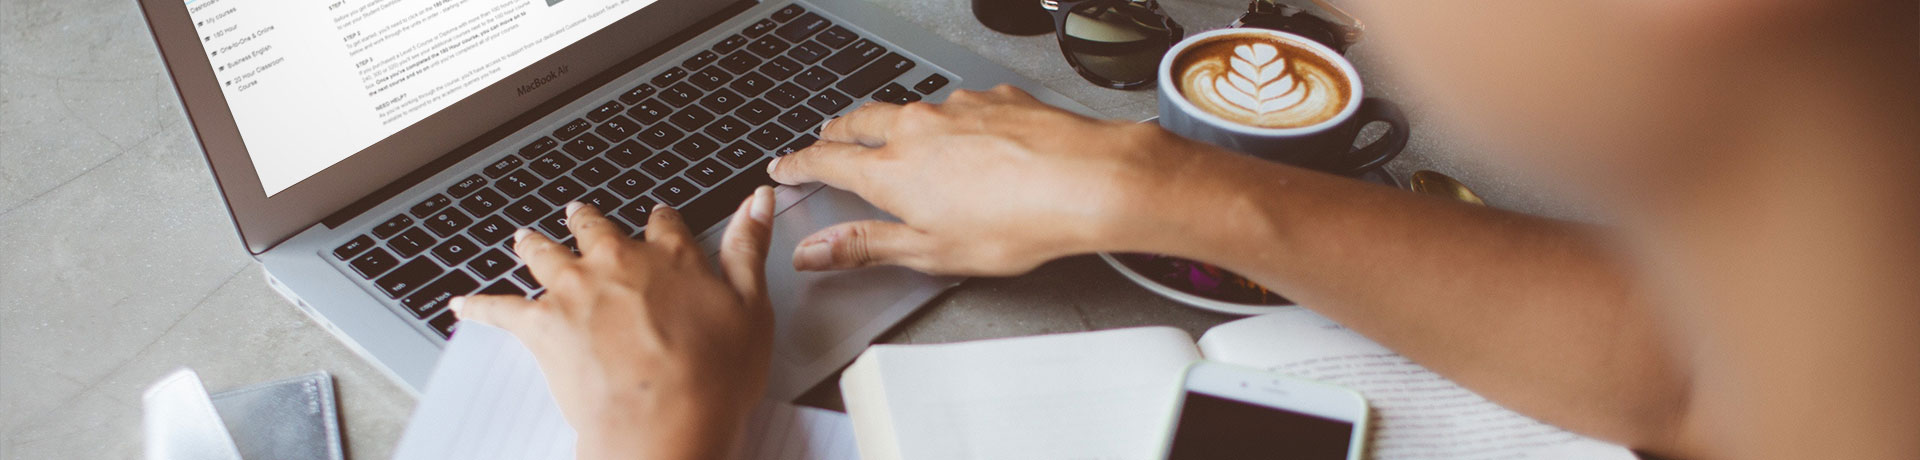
<point x="487" y="399"/>
<point x="1108" y="394"/>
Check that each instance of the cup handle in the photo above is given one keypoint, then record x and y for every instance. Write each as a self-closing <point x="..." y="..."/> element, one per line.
<point x="1385" y="149"/>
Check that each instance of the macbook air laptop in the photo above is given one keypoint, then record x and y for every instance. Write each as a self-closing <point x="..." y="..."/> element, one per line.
<point x="376" y="155"/>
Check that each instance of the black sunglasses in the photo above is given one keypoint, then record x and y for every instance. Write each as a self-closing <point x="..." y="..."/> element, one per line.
<point x="1118" y="43"/>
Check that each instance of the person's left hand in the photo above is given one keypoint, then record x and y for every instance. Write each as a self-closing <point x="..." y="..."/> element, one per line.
<point x="648" y="352"/>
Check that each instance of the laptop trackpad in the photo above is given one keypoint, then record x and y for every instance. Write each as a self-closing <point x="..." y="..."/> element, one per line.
<point x="825" y="319"/>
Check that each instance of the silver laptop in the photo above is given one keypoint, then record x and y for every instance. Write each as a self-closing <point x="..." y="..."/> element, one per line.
<point x="377" y="154"/>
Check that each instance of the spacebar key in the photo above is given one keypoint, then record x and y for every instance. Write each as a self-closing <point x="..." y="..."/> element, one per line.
<point x="725" y="198"/>
<point x="873" y="75"/>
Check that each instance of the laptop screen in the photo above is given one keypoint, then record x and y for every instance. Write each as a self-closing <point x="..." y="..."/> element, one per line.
<point x="311" y="83"/>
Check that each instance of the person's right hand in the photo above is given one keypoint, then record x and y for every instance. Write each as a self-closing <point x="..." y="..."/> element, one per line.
<point x="987" y="183"/>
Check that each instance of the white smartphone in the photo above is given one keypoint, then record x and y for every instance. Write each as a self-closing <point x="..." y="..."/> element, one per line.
<point x="1229" y="412"/>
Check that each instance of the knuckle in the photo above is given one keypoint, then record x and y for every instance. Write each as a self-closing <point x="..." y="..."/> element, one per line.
<point x="964" y="95"/>
<point x="1004" y="89"/>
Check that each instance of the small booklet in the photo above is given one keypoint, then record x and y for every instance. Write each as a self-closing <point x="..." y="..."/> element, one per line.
<point x="1106" y="395"/>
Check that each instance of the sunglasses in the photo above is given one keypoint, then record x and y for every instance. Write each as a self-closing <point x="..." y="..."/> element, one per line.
<point x="1118" y="43"/>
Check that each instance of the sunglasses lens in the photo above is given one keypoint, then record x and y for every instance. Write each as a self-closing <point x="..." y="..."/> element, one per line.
<point x="1120" y="41"/>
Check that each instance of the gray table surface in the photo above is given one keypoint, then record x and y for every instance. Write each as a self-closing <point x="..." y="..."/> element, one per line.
<point x="120" y="263"/>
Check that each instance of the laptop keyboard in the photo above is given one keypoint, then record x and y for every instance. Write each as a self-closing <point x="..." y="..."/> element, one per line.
<point x="697" y="137"/>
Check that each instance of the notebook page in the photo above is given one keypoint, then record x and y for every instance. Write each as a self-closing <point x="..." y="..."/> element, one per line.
<point x="1416" y="414"/>
<point x="487" y="399"/>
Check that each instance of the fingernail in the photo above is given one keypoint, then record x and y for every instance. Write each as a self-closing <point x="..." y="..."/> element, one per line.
<point x="771" y="165"/>
<point x="572" y="207"/>
<point x="762" y="207"/>
<point x="456" y="304"/>
<point x="823" y="125"/>
<point x="521" y="234"/>
<point x="813" y="256"/>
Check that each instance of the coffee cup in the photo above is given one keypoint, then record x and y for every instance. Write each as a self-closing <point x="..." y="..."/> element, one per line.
<point x="1277" y="96"/>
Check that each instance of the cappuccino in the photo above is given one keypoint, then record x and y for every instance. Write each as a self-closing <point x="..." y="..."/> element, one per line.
<point x="1261" y="80"/>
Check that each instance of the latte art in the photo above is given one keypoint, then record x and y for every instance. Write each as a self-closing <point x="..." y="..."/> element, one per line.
<point x="1261" y="82"/>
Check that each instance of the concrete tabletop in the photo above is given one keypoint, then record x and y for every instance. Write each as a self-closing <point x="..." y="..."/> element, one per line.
<point x="120" y="263"/>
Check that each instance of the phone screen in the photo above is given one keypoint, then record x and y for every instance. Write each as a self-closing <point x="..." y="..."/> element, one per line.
<point x="1217" y="428"/>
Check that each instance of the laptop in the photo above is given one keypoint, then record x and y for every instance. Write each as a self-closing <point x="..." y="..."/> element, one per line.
<point x="376" y="155"/>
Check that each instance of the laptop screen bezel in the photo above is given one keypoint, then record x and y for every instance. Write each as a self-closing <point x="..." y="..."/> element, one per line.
<point x="264" y="221"/>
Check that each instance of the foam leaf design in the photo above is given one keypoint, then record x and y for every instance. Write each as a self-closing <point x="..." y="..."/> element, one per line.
<point x="1258" y="81"/>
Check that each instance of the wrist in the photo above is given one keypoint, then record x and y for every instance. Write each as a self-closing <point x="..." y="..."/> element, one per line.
<point x="654" y="426"/>
<point x="1188" y="196"/>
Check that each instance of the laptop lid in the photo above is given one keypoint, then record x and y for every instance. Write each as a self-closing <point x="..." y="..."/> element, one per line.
<point x="304" y="108"/>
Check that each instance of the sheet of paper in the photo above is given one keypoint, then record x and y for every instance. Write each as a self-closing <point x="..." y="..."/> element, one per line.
<point x="487" y="399"/>
<point x="1417" y="414"/>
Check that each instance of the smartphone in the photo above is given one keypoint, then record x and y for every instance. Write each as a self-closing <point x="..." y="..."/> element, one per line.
<point x="1230" y="412"/>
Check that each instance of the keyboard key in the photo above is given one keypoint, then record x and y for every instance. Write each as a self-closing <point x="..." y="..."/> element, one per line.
<point x="759" y="28"/>
<point x="711" y="79"/>
<point x="586" y="146"/>
<point x="492" y="231"/>
<point x="680" y="94"/>
<point x="392" y="226"/>
<point x="930" y="84"/>
<point x="631" y="184"/>
<point x="353" y="247"/>
<point x="752" y="84"/>
<point x="555" y="225"/>
<point x="757" y="112"/>
<point x="527" y="211"/>
<point x="502" y="287"/>
<point x="802" y="28"/>
<point x="801" y="119"/>
<point x="447" y="223"/>
<point x="663" y="165"/>
<point x="518" y="183"/>
<point x="695" y="146"/>
<point x="637" y="94"/>
<point x="572" y="128"/>
<point x="851" y="58"/>
<point x="836" y="37"/>
<point x="538" y="147"/>
<point x="786" y="95"/>
<point x="893" y="93"/>
<point x="525" y="276"/>
<point x="502" y="167"/>
<point x="722" y="101"/>
<point x="740" y="62"/>
<point x="728" y="128"/>
<point x="602" y="200"/>
<point x="829" y="102"/>
<point x="669" y="76"/>
<point x="619" y="128"/>
<point x="627" y="154"/>
<point x="594" y="172"/>
<point x="797" y="144"/>
<point x="492" y="265"/>
<point x="484" y="202"/>
<point x="605" y="111"/>
<point x="872" y="76"/>
<point x="434" y="296"/>
<point x="724" y="199"/>
<point x="661" y="135"/>
<point x="431" y="205"/>
<point x="730" y="44"/>
<point x="740" y="154"/>
<point x="408" y="277"/>
<point x="709" y="173"/>
<point x="769" y="136"/>
<point x="562" y="190"/>
<point x="650" y="111"/>
<point x="780" y="68"/>
<point x="638" y="211"/>
<point x="411" y="242"/>
<point x="466" y="186"/>
<point x="691" y="118"/>
<point x="768" y="47"/>
<point x="676" y="191"/>
<point x="553" y="165"/>
<point x="444" y="324"/>
<point x="699" y="60"/>
<point x="815" y="78"/>
<point x="788" y="12"/>
<point x="809" y="52"/>
<point x="455" y="250"/>
<point x="374" y="262"/>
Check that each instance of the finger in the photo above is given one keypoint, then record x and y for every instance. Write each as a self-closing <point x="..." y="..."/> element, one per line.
<point x="743" y="250"/>
<point x="837" y="164"/>
<point x="866" y="125"/>
<point x="862" y="244"/>
<point x="591" y="230"/>
<point x="665" y="226"/>
<point x="508" y="312"/>
<point x="543" y="256"/>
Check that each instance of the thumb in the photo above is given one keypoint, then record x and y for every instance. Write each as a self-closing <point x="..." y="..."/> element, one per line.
<point x="743" y="249"/>
<point x="509" y="312"/>
<point x="861" y="244"/>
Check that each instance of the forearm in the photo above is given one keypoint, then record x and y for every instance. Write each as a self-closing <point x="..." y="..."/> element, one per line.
<point x="1530" y="312"/>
